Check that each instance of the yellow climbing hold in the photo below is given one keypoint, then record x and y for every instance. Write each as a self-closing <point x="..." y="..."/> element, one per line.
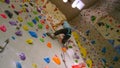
<point x="56" y="59"/>
<point x="29" y="41"/>
<point x="25" y="27"/>
<point x="20" y="18"/>
<point x="34" y="65"/>
<point x="89" y="63"/>
<point x="83" y="51"/>
<point x="76" y="35"/>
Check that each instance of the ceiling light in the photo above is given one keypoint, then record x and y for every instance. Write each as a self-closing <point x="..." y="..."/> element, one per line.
<point x="65" y="1"/>
<point x="78" y="3"/>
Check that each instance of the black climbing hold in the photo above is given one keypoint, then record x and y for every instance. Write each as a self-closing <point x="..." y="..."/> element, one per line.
<point x="26" y="5"/>
<point x="16" y="12"/>
<point x="9" y="13"/>
<point x="100" y="24"/>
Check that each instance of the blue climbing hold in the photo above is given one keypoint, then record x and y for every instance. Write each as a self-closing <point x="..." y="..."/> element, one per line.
<point x="111" y="67"/>
<point x="104" y="60"/>
<point x="117" y="48"/>
<point x="111" y="42"/>
<point x="104" y="50"/>
<point x="47" y="59"/>
<point x="13" y="37"/>
<point x="34" y="21"/>
<point x="18" y="65"/>
<point x="93" y="42"/>
<point x="33" y="34"/>
<point x="88" y="31"/>
<point x="40" y="17"/>
<point x="44" y="34"/>
<point x="115" y="58"/>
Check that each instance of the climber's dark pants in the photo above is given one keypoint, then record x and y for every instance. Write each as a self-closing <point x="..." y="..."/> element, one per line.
<point x="66" y="32"/>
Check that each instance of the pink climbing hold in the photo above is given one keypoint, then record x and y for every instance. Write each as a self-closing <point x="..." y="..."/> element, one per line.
<point x="3" y="16"/>
<point x="3" y="28"/>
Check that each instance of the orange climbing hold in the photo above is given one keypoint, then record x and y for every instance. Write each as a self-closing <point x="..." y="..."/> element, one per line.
<point x="49" y="44"/>
<point x="47" y="26"/>
<point x="64" y="49"/>
<point x="56" y="59"/>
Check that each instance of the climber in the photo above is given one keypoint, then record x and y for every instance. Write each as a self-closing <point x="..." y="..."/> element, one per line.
<point x="66" y="30"/>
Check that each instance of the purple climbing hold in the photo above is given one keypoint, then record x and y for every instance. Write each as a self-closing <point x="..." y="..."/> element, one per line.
<point x="14" y="23"/>
<point x="18" y="33"/>
<point x="7" y="1"/>
<point x="76" y="56"/>
<point x="22" y="56"/>
<point x="27" y="10"/>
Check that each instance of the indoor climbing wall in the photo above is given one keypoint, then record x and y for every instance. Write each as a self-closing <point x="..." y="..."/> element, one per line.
<point x="23" y="39"/>
<point x="99" y="35"/>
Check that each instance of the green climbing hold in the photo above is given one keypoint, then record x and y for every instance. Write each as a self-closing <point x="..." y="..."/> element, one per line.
<point x="76" y="61"/>
<point x="93" y="18"/>
<point x="37" y="19"/>
<point x="35" y="12"/>
<point x="70" y="46"/>
<point x="42" y="40"/>
<point x="40" y="26"/>
<point x="30" y="24"/>
<point x="107" y="26"/>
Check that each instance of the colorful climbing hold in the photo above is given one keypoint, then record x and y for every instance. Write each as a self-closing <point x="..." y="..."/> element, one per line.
<point x="16" y="12"/>
<point x="56" y="59"/>
<point x="25" y="27"/>
<point x="30" y="24"/>
<point x="41" y="39"/>
<point x="34" y="21"/>
<point x="89" y="63"/>
<point x="34" y="65"/>
<point x="40" y="26"/>
<point x="115" y="59"/>
<point x="18" y="65"/>
<point x="111" y="41"/>
<point x="22" y="56"/>
<point x="18" y="33"/>
<point x="104" y="60"/>
<point x="47" y="59"/>
<point x="7" y="1"/>
<point x="12" y="6"/>
<point x="3" y="28"/>
<point x="9" y="14"/>
<point x="33" y="34"/>
<point x="13" y="37"/>
<point x="87" y="32"/>
<point x="29" y="41"/>
<point x="93" y="42"/>
<point x="14" y="23"/>
<point x="35" y="12"/>
<point x="20" y="18"/>
<point x="83" y="51"/>
<point x="3" y="15"/>
<point x="47" y="26"/>
<point x="49" y="44"/>
<point x="37" y="19"/>
<point x="104" y="50"/>
<point x="93" y="18"/>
